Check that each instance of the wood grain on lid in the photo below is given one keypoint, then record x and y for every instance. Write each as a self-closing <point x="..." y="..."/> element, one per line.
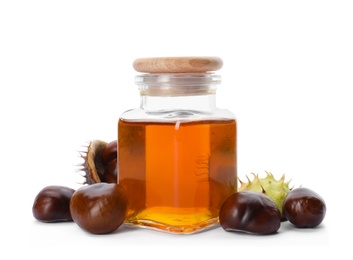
<point x="177" y="64"/>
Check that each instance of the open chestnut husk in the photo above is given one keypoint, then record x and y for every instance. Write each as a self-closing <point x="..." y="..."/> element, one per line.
<point x="99" y="208"/>
<point x="52" y="204"/>
<point x="100" y="162"/>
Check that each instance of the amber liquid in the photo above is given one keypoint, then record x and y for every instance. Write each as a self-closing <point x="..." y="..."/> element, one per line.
<point x="177" y="174"/>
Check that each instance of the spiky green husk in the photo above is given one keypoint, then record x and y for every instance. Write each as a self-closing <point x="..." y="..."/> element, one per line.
<point x="277" y="190"/>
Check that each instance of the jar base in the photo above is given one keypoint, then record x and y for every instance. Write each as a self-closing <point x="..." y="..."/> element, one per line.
<point x="162" y="219"/>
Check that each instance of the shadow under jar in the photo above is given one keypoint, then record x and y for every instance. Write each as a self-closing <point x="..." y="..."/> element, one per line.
<point x="177" y="151"/>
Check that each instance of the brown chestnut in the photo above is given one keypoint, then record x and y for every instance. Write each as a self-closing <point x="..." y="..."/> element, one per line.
<point x="304" y="208"/>
<point x="110" y="152"/>
<point x="250" y="212"/>
<point x="99" y="208"/>
<point x="111" y="172"/>
<point x="52" y="204"/>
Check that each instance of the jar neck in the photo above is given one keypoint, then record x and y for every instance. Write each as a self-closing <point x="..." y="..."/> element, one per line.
<point x="177" y="84"/>
<point x="178" y="91"/>
<point x="205" y="103"/>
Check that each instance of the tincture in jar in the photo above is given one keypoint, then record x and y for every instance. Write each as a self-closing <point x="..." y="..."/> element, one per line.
<point x="177" y="151"/>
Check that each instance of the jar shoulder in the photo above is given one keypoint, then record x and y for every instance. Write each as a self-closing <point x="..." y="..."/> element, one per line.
<point x="140" y="114"/>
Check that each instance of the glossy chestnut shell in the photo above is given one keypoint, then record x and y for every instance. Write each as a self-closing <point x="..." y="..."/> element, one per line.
<point x="52" y="204"/>
<point x="110" y="152"/>
<point x="250" y="212"/>
<point x="99" y="208"/>
<point x="304" y="208"/>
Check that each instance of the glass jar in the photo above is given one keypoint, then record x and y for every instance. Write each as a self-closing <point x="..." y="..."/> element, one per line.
<point x="177" y="151"/>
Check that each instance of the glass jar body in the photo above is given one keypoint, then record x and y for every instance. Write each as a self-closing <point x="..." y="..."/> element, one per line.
<point x="177" y="161"/>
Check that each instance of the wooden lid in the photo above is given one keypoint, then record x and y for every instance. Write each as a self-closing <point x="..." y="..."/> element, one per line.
<point x="177" y="64"/>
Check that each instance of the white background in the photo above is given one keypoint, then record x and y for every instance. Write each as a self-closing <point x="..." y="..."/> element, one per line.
<point x="66" y="75"/>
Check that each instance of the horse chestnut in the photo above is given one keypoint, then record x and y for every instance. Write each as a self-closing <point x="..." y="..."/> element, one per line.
<point x="110" y="152"/>
<point x="52" y="204"/>
<point x="304" y="208"/>
<point x="99" y="208"/>
<point x="111" y="171"/>
<point x="251" y="212"/>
